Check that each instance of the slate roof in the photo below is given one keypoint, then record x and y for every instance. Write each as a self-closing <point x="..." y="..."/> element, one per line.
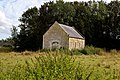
<point x="71" y="31"/>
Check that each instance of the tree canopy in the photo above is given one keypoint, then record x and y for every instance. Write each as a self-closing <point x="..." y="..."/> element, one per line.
<point x="98" y="21"/>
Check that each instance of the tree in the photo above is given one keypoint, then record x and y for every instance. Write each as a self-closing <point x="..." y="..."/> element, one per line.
<point x="28" y="36"/>
<point x="14" y="38"/>
<point x="98" y="21"/>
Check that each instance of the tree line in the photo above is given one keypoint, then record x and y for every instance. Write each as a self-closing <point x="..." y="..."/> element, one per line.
<point x="99" y="22"/>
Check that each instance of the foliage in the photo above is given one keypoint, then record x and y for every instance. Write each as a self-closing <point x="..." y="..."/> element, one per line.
<point x="6" y="49"/>
<point x="76" y="52"/>
<point x="114" y="51"/>
<point x="58" y="66"/>
<point x="91" y="50"/>
<point x="88" y="50"/>
<point x="97" y="21"/>
<point x="14" y="39"/>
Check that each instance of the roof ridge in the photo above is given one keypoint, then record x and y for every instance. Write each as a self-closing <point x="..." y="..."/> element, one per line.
<point x="63" y="28"/>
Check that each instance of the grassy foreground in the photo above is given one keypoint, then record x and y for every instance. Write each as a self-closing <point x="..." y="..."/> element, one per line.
<point x="59" y="66"/>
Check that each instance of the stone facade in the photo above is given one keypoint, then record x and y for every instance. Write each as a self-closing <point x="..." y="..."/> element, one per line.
<point x="76" y="43"/>
<point x="57" y="37"/>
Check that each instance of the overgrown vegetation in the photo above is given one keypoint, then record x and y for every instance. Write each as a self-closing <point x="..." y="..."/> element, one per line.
<point x="88" y="50"/>
<point x="6" y="49"/>
<point x="59" y="65"/>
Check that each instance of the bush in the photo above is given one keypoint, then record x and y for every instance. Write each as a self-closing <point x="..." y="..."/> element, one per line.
<point x="5" y="49"/>
<point x="76" y="52"/>
<point x="91" y="50"/>
<point x="113" y="51"/>
<point x="51" y="67"/>
<point x="64" y="50"/>
<point x="87" y="51"/>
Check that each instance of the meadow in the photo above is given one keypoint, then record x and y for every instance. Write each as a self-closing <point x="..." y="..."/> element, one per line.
<point x="59" y="66"/>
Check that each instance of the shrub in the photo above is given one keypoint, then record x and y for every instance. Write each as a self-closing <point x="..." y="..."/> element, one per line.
<point x="5" y="49"/>
<point x="113" y="51"/>
<point x="87" y="50"/>
<point x="91" y="50"/>
<point x="51" y="67"/>
<point x="76" y="52"/>
<point x="83" y="51"/>
<point x="64" y="50"/>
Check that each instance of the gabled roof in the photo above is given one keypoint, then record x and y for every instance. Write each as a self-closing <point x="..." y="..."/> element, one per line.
<point x="71" y="31"/>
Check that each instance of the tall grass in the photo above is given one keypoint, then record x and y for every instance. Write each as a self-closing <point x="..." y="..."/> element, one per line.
<point x="49" y="67"/>
<point x="56" y="66"/>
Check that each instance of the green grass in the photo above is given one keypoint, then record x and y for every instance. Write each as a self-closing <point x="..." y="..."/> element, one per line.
<point x="59" y="66"/>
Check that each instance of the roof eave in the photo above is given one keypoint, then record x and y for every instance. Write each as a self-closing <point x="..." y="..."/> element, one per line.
<point x="76" y="37"/>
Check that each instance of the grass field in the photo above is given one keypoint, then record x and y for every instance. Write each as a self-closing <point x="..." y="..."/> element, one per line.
<point x="59" y="66"/>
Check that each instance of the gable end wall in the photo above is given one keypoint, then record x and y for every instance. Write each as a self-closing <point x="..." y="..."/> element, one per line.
<point x="55" y="33"/>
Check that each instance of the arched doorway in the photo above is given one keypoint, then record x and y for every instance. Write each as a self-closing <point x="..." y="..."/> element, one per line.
<point x="55" y="45"/>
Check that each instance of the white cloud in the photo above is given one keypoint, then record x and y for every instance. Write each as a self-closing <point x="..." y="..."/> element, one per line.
<point x="4" y="35"/>
<point x="36" y="3"/>
<point x="5" y="25"/>
<point x="1" y="27"/>
<point x="10" y="11"/>
<point x="4" y="22"/>
<point x="15" y="8"/>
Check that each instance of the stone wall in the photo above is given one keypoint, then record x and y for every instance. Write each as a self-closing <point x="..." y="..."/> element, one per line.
<point x="55" y="35"/>
<point x="75" y="43"/>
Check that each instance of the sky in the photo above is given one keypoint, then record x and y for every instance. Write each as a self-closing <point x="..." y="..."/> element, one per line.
<point x="11" y="11"/>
